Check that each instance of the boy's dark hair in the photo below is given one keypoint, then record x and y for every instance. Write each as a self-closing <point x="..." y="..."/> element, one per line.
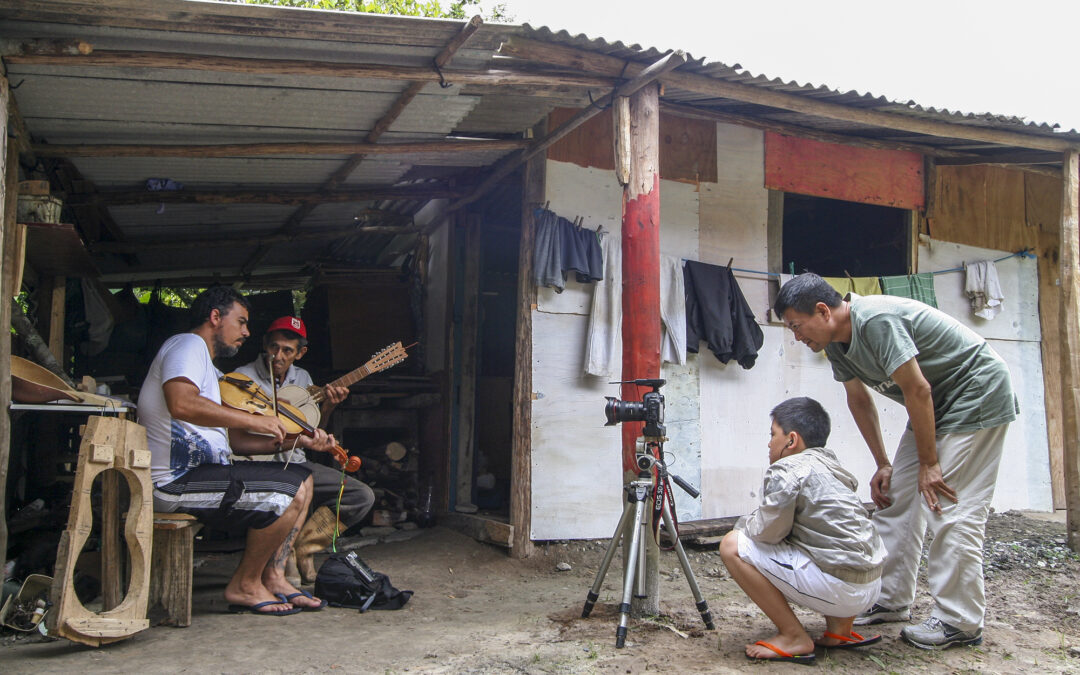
<point x="220" y="298"/>
<point x="803" y="293"/>
<point x="806" y="417"/>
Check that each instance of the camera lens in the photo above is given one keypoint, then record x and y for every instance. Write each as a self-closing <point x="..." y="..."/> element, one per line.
<point x="623" y="411"/>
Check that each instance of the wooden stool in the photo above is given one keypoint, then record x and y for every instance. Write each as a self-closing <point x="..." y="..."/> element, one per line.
<point x="171" y="565"/>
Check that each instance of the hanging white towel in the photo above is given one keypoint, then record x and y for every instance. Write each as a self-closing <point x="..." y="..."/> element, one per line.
<point x="605" y="316"/>
<point x="672" y="310"/>
<point x="602" y="354"/>
<point x="984" y="289"/>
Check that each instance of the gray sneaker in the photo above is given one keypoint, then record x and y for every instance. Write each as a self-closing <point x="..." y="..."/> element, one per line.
<point x="936" y="634"/>
<point x="879" y="614"/>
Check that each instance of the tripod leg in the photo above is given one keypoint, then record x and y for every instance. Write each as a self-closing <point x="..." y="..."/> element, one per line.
<point x="702" y="606"/>
<point x="594" y="592"/>
<point x="632" y="552"/>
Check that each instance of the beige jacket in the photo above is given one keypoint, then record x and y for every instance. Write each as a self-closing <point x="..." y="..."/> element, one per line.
<point x="809" y="500"/>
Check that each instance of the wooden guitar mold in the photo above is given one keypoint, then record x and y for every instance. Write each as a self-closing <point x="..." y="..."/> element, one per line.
<point x="107" y="443"/>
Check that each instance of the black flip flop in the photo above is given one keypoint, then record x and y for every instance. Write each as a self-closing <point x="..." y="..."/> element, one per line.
<point x="309" y="596"/>
<point x="254" y="609"/>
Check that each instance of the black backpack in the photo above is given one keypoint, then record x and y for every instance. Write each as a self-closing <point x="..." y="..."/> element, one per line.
<point x="345" y="580"/>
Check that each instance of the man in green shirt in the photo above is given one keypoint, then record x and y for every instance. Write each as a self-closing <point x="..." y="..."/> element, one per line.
<point x="959" y="400"/>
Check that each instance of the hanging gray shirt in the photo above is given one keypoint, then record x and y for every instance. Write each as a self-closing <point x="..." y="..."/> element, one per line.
<point x="969" y="382"/>
<point x="809" y="500"/>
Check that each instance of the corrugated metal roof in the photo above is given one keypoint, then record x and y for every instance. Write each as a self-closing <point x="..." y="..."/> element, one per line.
<point x="73" y="104"/>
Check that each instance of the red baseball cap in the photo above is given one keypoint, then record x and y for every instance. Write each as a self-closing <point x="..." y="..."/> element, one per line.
<point x="289" y="323"/>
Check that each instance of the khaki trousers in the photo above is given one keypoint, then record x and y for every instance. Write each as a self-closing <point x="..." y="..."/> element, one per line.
<point x="969" y="464"/>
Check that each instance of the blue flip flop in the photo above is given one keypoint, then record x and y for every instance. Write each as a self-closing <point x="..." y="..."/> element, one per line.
<point x="254" y="609"/>
<point x="309" y="596"/>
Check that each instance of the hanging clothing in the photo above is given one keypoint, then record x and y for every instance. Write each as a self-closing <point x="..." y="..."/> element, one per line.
<point x="581" y="252"/>
<point x="860" y="285"/>
<point x="915" y="286"/>
<point x="563" y="247"/>
<point x="672" y="310"/>
<point x="547" y="252"/>
<point x="717" y="312"/>
<point x="605" y="316"/>
<point x="984" y="289"/>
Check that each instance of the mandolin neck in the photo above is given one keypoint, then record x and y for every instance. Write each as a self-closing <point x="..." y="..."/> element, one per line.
<point x="352" y="378"/>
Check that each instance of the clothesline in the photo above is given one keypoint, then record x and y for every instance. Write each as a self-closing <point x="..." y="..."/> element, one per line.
<point x="1025" y="253"/>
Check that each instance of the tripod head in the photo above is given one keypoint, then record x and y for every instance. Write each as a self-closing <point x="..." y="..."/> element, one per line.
<point x="645" y="464"/>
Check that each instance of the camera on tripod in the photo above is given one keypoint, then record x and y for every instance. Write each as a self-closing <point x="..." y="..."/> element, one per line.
<point x="650" y="409"/>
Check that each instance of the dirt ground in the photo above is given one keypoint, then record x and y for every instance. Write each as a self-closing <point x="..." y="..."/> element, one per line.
<point x="477" y="611"/>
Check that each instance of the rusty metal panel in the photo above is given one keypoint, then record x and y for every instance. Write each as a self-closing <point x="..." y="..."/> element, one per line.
<point x="865" y="175"/>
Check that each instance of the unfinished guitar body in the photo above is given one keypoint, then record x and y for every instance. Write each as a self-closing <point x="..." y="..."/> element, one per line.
<point x="108" y="443"/>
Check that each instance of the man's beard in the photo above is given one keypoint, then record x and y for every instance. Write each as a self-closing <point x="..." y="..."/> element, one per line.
<point x="222" y="350"/>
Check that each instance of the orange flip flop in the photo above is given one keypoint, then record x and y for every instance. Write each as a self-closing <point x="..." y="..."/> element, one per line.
<point x="802" y="659"/>
<point x="847" y="642"/>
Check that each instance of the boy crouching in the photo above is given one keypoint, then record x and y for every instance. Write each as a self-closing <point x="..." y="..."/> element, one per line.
<point x="810" y="541"/>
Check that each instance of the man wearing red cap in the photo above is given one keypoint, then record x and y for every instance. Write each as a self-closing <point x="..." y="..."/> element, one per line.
<point x="285" y="343"/>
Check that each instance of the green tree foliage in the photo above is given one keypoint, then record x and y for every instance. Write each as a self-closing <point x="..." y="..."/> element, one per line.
<point x="457" y="9"/>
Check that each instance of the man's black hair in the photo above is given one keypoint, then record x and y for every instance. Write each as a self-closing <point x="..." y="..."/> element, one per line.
<point x="220" y="298"/>
<point x="803" y="293"/>
<point x="301" y="341"/>
<point x="806" y="417"/>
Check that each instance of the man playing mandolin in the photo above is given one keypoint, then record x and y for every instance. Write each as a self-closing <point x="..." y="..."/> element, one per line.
<point x="192" y="439"/>
<point x="285" y="343"/>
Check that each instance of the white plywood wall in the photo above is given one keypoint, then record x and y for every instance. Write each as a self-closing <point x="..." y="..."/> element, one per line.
<point x="718" y="415"/>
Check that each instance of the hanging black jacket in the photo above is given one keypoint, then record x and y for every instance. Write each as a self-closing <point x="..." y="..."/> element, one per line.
<point x="717" y="312"/>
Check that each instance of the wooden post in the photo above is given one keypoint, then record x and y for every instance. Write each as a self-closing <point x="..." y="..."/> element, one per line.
<point x="641" y="287"/>
<point x="521" y="456"/>
<point x="56" y="297"/>
<point x="9" y="180"/>
<point x="1070" y="343"/>
<point x="470" y="319"/>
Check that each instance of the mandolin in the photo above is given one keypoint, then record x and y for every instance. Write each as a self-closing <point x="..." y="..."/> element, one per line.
<point x="309" y="400"/>
<point x="240" y="391"/>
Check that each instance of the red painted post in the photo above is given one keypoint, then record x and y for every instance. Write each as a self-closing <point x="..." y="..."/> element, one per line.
<point x="641" y="298"/>
<point x="641" y="258"/>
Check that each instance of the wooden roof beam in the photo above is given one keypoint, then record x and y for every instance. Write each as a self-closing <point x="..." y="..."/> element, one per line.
<point x="805" y="132"/>
<point x="249" y="240"/>
<point x="602" y="64"/>
<point x="272" y="149"/>
<point x="275" y="196"/>
<point x="230" y="64"/>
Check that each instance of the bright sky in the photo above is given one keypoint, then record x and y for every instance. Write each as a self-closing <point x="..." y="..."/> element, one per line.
<point x="1008" y="58"/>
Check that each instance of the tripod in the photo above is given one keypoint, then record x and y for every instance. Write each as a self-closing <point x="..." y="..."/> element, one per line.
<point x="638" y="493"/>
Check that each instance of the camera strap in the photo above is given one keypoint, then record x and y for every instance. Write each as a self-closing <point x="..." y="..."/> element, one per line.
<point x="660" y="493"/>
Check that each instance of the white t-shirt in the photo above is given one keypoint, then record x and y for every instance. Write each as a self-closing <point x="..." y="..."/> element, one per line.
<point x="260" y="373"/>
<point x="176" y="446"/>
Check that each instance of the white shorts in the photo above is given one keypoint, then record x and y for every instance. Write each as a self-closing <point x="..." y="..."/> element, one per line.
<point x="802" y="581"/>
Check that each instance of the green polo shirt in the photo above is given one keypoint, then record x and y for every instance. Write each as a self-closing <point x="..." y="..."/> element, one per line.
<point x="969" y="382"/>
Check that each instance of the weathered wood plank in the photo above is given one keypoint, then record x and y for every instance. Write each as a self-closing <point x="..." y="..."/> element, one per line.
<point x="1070" y="343"/>
<point x="867" y="175"/>
<point x="687" y="146"/>
<point x="9" y="182"/>
<point x="533" y="189"/>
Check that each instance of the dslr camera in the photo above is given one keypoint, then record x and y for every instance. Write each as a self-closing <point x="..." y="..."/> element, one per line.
<point x="650" y="409"/>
